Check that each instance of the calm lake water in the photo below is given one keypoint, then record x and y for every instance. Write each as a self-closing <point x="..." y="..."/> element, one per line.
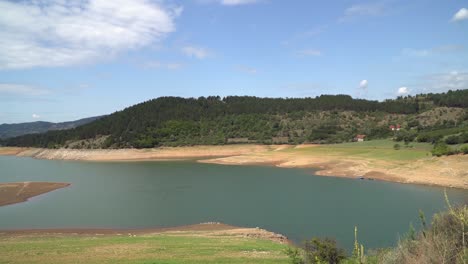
<point x="292" y="202"/>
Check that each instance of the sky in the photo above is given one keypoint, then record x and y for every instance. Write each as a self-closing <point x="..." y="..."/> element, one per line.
<point x="65" y="60"/>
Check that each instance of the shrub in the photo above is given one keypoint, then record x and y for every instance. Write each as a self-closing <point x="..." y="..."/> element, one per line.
<point x="453" y="140"/>
<point x="441" y="149"/>
<point x="396" y="146"/>
<point x="443" y="242"/>
<point x="464" y="150"/>
<point x="294" y="255"/>
<point x="317" y="251"/>
<point x="323" y="250"/>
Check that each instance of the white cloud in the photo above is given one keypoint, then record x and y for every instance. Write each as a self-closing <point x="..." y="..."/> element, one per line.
<point x="360" y="10"/>
<point x="310" y="52"/>
<point x="462" y="14"/>
<point x="22" y="90"/>
<point x="196" y="52"/>
<point x="403" y="91"/>
<point x="36" y="116"/>
<point x="364" y="84"/>
<point x="59" y="33"/>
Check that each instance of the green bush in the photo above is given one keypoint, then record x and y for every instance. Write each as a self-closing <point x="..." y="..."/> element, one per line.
<point x="464" y="150"/>
<point x="317" y="251"/>
<point x="441" y="149"/>
<point x="323" y="250"/>
<point x="396" y="146"/>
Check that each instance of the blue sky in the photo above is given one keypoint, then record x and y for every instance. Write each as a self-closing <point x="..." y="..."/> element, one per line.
<point x="63" y="60"/>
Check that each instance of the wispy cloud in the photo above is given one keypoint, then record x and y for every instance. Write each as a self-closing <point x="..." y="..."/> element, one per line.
<point x="363" y="10"/>
<point x="162" y="65"/>
<point x="462" y="14"/>
<point x="442" y="82"/>
<point x="309" y="52"/>
<point x="9" y="89"/>
<point x="304" y="35"/>
<point x="230" y="2"/>
<point x="416" y="52"/>
<point x="307" y="89"/>
<point x="196" y="52"/>
<point x="408" y="52"/>
<point x="55" y="33"/>
<point x="36" y="116"/>
<point x="238" y="2"/>
<point x="247" y="69"/>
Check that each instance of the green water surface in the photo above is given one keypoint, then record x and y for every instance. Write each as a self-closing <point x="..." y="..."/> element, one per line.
<point x="292" y="202"/>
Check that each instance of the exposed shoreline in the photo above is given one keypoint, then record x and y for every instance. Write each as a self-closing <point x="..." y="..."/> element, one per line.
<point x="451" y="171"/>
<point x="211" y="229"/>
<point x="18" y="192"/>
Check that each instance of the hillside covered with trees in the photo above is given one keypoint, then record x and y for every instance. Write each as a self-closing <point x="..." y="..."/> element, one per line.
<point x="175" y="121"/>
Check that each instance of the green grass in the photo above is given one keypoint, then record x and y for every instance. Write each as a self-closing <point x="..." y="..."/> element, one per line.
<point x="164" y="248"/>
<point x="376" y="149"/>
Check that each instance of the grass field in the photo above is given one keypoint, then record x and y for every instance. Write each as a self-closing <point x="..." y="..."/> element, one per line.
<point x="177" y="247"/>
<point x="377" y="149"/>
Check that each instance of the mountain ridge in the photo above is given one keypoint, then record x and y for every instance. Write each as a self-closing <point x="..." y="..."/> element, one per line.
<point x="9" y="130"/>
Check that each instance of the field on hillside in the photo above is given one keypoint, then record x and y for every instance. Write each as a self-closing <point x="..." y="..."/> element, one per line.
<point x="173" y="247"/>
<point x="376" y="149"/>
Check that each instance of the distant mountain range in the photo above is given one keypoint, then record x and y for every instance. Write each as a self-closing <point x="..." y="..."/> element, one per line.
<point x="14" y="130"/>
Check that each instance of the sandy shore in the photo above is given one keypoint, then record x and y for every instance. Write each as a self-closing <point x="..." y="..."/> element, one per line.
<point x="135" y="154"/>
<point x="450" y="171"/>
<point x="204" y="229"/>
<point x="17" y="192"/>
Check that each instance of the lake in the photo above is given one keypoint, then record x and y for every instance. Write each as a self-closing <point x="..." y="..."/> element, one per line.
<point x="292" y="202"/>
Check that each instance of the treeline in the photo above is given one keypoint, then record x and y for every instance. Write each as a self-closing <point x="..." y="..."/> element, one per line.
<point x="177" y="121"/>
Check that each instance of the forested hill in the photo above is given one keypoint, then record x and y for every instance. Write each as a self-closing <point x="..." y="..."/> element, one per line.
<point x="173" y="121"/>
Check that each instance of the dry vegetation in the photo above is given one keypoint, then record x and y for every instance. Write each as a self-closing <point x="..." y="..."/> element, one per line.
<point x="444" y="242"/>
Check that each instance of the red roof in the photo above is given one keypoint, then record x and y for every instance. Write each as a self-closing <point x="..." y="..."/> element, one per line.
<point x="360" y="136"/>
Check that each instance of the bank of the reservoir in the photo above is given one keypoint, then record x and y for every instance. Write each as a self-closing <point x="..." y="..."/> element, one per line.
<point x="368" y="160"/>
<point x="17" y="192"/>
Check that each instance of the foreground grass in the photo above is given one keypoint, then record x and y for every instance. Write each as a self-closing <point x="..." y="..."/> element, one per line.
<point x="160" y="248"/>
